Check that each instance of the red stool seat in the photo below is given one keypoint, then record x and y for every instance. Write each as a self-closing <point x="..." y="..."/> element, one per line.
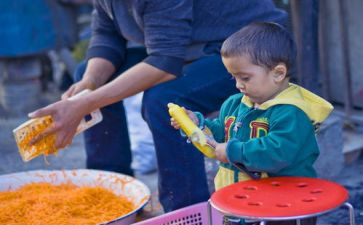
<point x="279" y="197"/>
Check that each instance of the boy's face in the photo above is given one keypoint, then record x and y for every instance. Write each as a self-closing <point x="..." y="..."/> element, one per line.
<point x="256" y="82"/>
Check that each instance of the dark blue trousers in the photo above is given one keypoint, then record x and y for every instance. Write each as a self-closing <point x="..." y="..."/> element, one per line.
<point x="204" y="86"/>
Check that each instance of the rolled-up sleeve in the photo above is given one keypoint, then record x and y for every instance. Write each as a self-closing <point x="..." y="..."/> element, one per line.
<point x="106" y="41"/>
<point x="167" y="30"/>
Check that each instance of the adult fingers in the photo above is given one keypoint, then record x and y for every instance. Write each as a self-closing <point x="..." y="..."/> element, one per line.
<point x="63" y="140"/>
<point x="74" y="89"/>
<point x="49" y="130"/>
<point x="45" y="111"/>
<point x="69" y="92"/>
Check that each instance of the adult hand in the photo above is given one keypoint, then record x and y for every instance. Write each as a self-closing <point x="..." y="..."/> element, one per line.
<point x="98" y="71"/>
<point x="221" y="152"/>
<point x="66" y="115"/>
<point x="78" y="87"/>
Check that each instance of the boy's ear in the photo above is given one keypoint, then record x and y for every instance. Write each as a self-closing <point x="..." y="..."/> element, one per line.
<point x="280" y="72"/>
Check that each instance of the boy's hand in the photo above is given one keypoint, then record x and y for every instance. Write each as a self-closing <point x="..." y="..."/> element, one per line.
<point x="191" y="115"/>
<point x="221" y="152"/>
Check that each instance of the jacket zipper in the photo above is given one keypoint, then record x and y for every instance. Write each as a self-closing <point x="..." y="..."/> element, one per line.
<point x="239" y="122"/>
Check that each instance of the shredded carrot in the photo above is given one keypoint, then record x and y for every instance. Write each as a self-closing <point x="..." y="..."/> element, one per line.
<point x="45" y="203"/>
<point x="25" y="134"/>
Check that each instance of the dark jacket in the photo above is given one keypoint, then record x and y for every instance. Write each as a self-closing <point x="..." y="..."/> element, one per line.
<point x="173" y="31"/>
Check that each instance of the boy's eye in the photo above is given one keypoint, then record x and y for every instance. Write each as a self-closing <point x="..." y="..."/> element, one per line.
<point x="245" y="78"/>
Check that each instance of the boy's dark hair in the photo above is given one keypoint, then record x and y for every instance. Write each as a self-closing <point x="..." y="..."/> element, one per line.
<point x="267" y="44"/>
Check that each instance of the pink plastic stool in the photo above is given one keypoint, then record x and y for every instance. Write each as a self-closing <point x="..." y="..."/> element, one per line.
<point x="281" y="198"/>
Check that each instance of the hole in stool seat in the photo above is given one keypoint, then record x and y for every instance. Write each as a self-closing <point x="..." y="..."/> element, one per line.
<point x="250" y="188"/>
<point x="309" y="199"/>
<point x="275" y="183"/>
<point x="283" y="205"/>
<point x="301" y="185"/>
<point x="255" y="203"/>
<point x="239" y="196"/>
<point x="316" y="191"/>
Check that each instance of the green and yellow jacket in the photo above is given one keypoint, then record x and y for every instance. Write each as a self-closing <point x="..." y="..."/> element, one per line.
<point x="276" y="138"/>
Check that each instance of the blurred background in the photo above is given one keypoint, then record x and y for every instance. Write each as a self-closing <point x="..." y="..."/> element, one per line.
<point x="41" y="42"/>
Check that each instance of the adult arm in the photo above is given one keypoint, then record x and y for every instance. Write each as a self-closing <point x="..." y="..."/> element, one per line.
<point x="106" y="41"/>
<point x="167" y="33"/>
<point x="97" y="73"/>
<point x="67" y="114"/>
<point x="166" y="55"/>
<point x="105" y="54"/>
